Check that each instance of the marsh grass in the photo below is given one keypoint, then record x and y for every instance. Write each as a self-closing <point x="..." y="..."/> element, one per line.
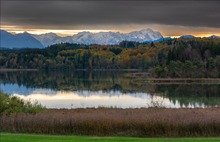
<point x="151" y="122"/>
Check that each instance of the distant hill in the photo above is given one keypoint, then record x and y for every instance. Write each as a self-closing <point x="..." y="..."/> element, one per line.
<point x="214" y="36"/>
<point x="23" y="40"/>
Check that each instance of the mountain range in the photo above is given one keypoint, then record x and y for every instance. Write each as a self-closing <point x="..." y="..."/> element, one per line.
<point x="23" y="40"/>
<point x="103" y="38"/>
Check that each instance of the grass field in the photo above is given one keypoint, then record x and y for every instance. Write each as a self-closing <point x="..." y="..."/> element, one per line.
<point x="49" y="138"/>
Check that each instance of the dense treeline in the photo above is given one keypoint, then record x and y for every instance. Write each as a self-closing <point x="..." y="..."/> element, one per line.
<point x="198" y="57"/>
<point x="190" y="58"/>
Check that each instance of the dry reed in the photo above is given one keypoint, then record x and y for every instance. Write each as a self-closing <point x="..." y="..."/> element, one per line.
<point x="150" y="122"/>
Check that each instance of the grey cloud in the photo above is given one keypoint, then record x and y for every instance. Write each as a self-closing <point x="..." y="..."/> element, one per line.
<point x="73" y="14"/>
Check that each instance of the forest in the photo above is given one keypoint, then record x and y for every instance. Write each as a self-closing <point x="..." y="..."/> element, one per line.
<point x="197" y="57"/>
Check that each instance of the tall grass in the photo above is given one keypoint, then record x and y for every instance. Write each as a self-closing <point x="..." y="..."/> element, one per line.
<point x="118" y="122"/>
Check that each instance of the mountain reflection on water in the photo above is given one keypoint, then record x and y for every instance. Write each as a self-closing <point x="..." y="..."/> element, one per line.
<point x="80" y="89"/>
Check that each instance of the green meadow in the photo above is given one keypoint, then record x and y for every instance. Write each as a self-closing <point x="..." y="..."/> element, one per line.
<point x="51" y="138"/>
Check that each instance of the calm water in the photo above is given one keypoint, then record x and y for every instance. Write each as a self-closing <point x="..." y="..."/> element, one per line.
<point x="81" y="89"/>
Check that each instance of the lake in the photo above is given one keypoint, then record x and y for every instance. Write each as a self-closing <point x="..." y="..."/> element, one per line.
<point x="84" y="89"/>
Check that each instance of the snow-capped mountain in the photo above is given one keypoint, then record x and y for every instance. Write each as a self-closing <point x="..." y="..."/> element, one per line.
<point x="103" y="38"/>
<point x="187" y="36"/>
<point x="145" y="35"/>
<point x="21" y="40"/>
<point x="214" y="36"/>
<point x="47" y="39"/>
<point x="112" y="38"/>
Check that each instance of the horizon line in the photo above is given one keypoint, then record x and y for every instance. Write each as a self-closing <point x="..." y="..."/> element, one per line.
<point x="66" y="33"/>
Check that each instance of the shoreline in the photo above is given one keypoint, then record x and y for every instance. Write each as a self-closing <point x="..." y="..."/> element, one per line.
<point x="136" y="75"/>
<point x="14" y="70"/>
<point x="181" y="80"/>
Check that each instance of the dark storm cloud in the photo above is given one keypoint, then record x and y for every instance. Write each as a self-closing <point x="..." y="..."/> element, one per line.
<point x="73" y="14"/>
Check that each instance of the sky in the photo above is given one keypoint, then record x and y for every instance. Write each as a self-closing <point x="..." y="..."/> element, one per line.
<point x="68" y="17"/>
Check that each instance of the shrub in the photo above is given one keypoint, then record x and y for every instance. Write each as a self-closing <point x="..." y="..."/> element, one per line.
<point x="13" y="104"/>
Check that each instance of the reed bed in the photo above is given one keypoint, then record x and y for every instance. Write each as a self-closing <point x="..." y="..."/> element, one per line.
<point x="151" y="122"/>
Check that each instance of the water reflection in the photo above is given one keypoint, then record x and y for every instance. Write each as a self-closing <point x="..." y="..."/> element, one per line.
<point x="86" y="98"/>
<point x="68" y="89"/>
